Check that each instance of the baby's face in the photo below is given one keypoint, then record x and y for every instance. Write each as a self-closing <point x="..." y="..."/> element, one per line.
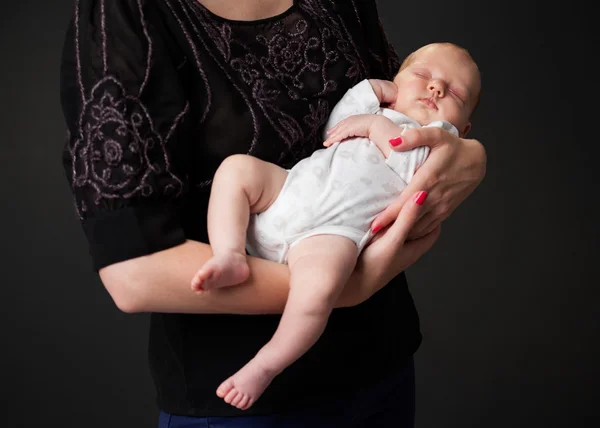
<point x="440" y="83"/>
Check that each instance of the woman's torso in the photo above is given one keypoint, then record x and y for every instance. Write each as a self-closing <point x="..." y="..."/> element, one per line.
<point x="265" y="88"/>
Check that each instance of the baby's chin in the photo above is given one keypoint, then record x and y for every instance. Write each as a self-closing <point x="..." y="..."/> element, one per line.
<point x="423" y="115"/>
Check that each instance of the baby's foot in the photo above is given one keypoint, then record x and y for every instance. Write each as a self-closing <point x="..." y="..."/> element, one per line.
<point x="222" y="270"/>
<point x="245" y="387"/>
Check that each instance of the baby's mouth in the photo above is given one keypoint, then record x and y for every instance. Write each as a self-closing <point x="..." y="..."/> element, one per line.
<point x="429" y="103"/>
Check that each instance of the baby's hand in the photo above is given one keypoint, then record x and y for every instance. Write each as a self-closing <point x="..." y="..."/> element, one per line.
<point x="358" y="125"/>
<point x="386" y="92"/>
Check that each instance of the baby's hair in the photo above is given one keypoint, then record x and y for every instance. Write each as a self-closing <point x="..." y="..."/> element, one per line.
<point x="409" y="59"/>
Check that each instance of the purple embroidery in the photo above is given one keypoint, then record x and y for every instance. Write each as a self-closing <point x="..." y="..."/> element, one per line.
<point x="196" y="57"/>
<point x="149" y="56"/>
<point x="103" y="29"/>
<point x="285" y="62"/>
<point x="356" y="13"/>
<point x="118" y="153"/>
<point x="77" y="53"/>
<point x="225" y="52"/>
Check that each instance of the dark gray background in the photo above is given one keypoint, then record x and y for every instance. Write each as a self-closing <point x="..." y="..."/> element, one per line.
<point x="508" y="296"/>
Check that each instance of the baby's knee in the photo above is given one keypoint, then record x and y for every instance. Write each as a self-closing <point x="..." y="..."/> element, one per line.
<point x="322" y="296"/>
<point x="237" y="162"/>
<point x="237" y="165"/>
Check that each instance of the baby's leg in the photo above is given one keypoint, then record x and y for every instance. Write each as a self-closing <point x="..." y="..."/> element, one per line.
<point x="320" y="267"/>
<point x="242" y="185"/>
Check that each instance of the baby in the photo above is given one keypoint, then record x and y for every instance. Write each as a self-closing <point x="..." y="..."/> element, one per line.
<point x="317" y="216"/>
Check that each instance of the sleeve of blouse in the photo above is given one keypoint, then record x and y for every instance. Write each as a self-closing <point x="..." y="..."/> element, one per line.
<point x="124" y="107"/>
<point x="384" y="61"/>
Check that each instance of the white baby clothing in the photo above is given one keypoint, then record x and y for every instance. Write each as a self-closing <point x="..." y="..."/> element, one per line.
<point x="338" y="190"/>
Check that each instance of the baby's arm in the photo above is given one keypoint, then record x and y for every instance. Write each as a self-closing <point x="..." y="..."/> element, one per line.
<point x="386" y="91"/>
<point x="364" y="98"/>
<point x="372" y="126"/>
<point x="354" y="115"/>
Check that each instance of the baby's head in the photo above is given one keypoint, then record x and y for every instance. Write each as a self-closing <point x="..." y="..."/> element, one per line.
<point x="439" y="81"/>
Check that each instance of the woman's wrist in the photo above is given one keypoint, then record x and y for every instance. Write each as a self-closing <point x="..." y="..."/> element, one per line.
<point x="371" y="275"/>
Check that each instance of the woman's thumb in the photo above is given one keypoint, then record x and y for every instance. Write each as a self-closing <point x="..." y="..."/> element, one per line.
<point x="405" y="141"/>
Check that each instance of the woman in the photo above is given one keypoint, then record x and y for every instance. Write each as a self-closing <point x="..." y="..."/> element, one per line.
<point x="156" y="93"/>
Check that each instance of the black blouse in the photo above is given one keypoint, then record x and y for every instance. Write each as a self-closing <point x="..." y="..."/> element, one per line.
<point x="156" y="93"/>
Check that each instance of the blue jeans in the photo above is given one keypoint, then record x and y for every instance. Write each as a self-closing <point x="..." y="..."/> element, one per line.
<point x="388" y="404"/>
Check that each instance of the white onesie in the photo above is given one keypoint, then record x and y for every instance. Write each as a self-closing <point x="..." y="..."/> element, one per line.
<point x="338" y="190"/>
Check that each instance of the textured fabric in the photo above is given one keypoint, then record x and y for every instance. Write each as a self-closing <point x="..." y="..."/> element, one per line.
<point x="361" y="99"/>
<point x="338" y="190"/>
<point x="156" y="93"/>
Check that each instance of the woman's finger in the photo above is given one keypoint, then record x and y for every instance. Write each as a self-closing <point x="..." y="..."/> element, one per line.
<point x="426" y="136"/>
<point x="406" y="219"/>
<point x="410" y="213"/>
<point x="389" y="214"/>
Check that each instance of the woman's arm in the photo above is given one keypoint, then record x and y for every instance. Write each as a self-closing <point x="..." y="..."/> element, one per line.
<point x="160" y="282"/>
<point x="453" y="170"/>
<point x="135" y="237"/>
<point x="454" y="167"/>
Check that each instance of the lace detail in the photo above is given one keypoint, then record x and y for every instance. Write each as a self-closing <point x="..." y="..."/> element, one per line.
<point x="118" y="154"/>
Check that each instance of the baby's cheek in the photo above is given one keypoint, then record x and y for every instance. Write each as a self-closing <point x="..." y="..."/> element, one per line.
<point x="458" y="118"/>
<point x="403" y="104"/>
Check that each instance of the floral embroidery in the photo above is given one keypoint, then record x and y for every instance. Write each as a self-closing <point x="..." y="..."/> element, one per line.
<point x="289" y="73"/>
<point x="118" y="154"/>
<point x="290" y="60"/>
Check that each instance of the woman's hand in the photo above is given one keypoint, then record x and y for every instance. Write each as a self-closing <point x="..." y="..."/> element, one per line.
<point x="454" y="168"/>
<point x="389" y="253"/>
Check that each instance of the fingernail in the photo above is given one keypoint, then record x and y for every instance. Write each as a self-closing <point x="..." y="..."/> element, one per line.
<point x="421" y="198"/>
<point x="396" y="141"/>
<point x="376" y="229"/>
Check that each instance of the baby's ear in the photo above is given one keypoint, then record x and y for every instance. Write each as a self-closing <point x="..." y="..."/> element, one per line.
<point x="465" y="131"/>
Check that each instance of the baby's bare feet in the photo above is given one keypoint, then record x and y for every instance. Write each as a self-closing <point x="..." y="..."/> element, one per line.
<point x="245" y="387"/>
<point x="222" y="270"/>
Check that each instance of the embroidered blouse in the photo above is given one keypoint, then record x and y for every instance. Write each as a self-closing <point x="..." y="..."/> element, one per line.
<point x="155" y="94"/>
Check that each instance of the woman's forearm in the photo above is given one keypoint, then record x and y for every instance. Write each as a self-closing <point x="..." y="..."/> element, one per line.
<point x="160" y="282"/>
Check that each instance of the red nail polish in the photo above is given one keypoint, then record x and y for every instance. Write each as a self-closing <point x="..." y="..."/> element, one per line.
<point x="396" y="141"/>
<point x="421" y="198"/>
<point x="376" y="229"/>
